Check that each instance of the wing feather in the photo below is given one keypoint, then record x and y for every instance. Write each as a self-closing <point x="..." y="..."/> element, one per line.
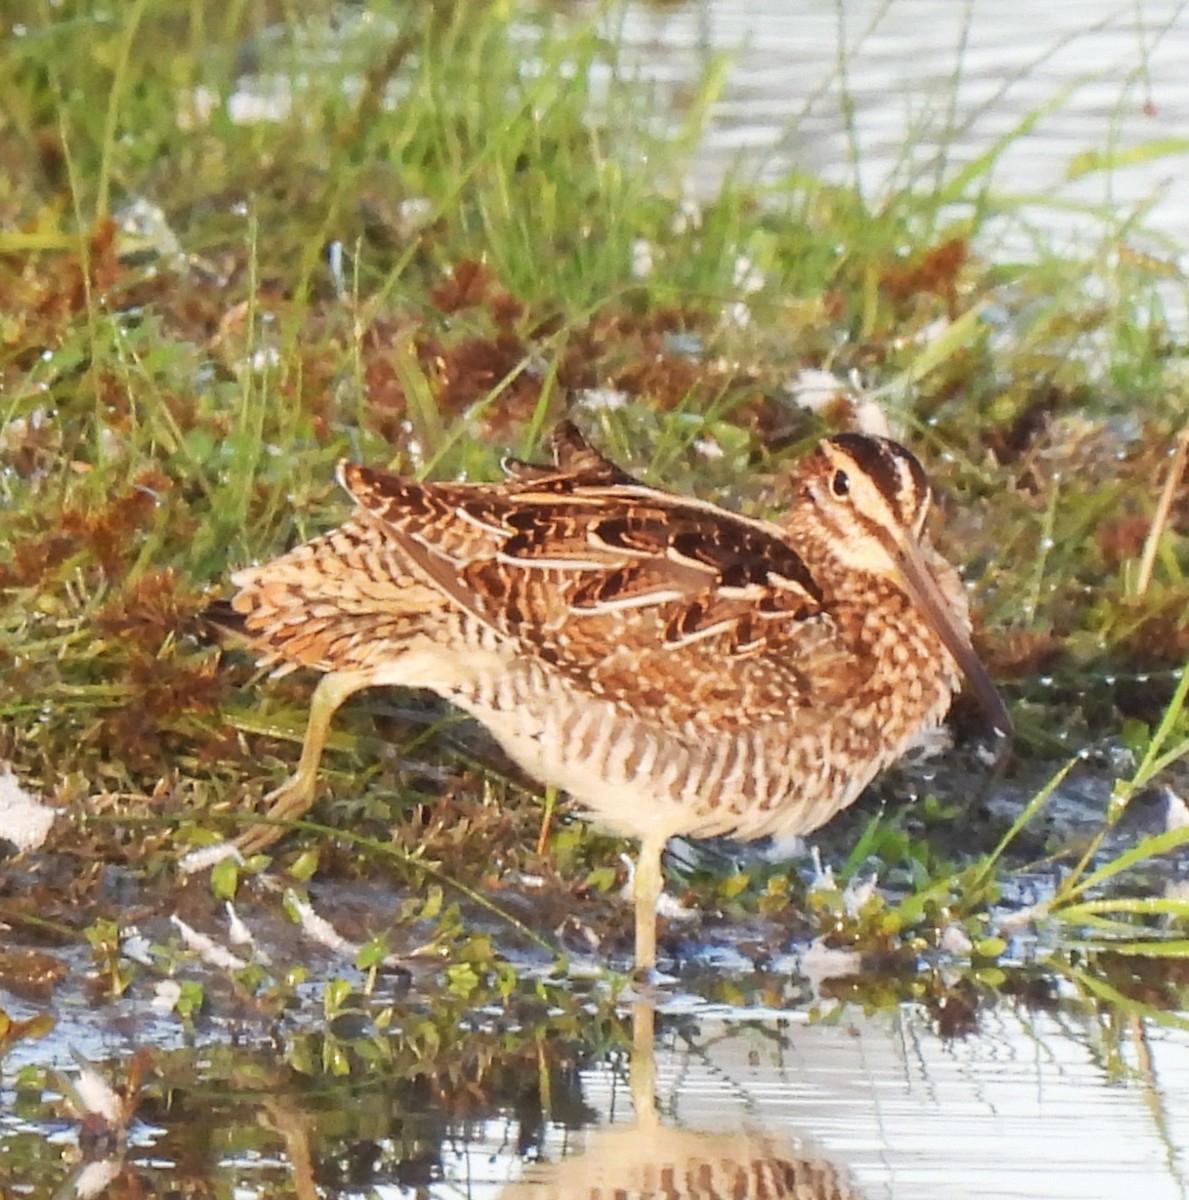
<point x="629" y="591"/>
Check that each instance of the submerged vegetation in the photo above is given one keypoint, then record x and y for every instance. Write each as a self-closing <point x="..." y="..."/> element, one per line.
<point x="240" y="242"/>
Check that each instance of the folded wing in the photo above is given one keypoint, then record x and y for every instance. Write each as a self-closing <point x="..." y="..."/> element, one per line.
<point x="700" y="616"/>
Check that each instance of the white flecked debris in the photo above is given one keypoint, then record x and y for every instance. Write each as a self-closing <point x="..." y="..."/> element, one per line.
<point x="206" y="857"/>
<point x="748" y="277"/>
<point x="819" y="962"/>
<point x="687" y="216"/>
<point x="134" y="945"/>
<point x="956" y="941"/>
<point x="708" y="448"/>
<point x="812" y="389"/>
<point x="600" y="399"/>
<point x="95" y="1094"/>
<point x="871" y="419"/>
<point x="667" y="906"/>
<point x="641" y="258"/>
<point x="237" y="931"/>
<point x="166" y="995"/>
<point x="319" y="929"/>
<point x="737" y="314"/>
<point x="96" y="1177"/>
<point x="24" y="820"/>
<point x="856" y="893"/>
<point x="207" y="948"/>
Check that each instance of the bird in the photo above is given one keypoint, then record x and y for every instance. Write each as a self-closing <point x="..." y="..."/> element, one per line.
<point x="677" y="668"/>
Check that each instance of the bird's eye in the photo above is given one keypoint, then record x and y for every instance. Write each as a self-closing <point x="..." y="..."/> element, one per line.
<point x="840" y="485"/>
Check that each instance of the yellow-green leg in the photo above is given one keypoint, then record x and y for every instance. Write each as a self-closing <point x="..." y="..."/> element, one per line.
<point x="295" y="797"/>
<point x="643" y="1064"/>
<point x="646" y="891"/>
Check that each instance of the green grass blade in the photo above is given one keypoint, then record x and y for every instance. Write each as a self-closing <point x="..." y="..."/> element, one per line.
<point x="1149" y="847"/>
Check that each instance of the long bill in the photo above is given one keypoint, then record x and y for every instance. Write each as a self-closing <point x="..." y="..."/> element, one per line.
<point x="926" y="595"/>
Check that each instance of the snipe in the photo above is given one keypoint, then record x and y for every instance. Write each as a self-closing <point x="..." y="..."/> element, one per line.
<point x="677" y="668"/>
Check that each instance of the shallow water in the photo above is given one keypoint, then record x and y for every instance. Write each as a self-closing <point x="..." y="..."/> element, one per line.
<point x="748" y="1102"/>
<point x="1021" y="1109"/>
<point x="891" y="92"/>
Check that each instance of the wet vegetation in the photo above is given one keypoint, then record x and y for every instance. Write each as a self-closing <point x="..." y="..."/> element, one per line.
<point x="239" y="242"/>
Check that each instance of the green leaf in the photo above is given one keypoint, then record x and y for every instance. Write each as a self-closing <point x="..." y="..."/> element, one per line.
<point x="1164" y="906"/>
<point x="1145" y="848"/>
<point x="734" y="885"/>
<point x="1091" y="161"/>
<point x="190" y="998"/>
<point x="225" y="878"/>
<point x="290" y="901"/>
<point x="433" y="903"/>
<point x="333" y="995"/>
<point x="372" y="953"/>
<point x="334" y="1059"/>
<point x="462" y="980"/>
<point x="957" y="335"/>
<point x="601" y="879"/>
<point x="1140" y="949"/>
<point x="304" y="866"/>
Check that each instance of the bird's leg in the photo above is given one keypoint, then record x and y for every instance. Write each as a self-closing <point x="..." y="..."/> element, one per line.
<point x="295" y="796"/>
<point x="646" y="891"/>
<point x="643" y="1064"/>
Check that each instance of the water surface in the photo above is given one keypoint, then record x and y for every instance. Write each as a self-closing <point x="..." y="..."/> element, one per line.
<point x="888" y="93"/>
<point x="1035" y="1103"/>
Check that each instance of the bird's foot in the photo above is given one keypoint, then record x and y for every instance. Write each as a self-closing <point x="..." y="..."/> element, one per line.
<point x="293" y="799"/>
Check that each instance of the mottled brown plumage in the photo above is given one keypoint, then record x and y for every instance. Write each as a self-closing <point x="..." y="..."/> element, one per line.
<point x="677" y="668"/>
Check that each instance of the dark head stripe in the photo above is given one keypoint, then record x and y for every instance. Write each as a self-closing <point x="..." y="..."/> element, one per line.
<point x="883" y="463"/>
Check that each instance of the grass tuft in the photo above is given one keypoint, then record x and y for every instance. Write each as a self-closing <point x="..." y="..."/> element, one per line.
<point x="419" y="235"/>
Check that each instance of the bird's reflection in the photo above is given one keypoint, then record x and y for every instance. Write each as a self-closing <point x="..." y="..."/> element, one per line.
<point x="651" y="1158"/>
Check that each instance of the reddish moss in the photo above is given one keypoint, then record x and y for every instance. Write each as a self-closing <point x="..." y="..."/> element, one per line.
<point x="505" y="309"/>
<point x="31" y="445"/>
<point x="472" y="368"/>
<point x="171" y="685"/>
<point x="935" y="272"/>
<point x="1158" y="633"/>
<point x="153" y="607"/>
<point x="34" y="558"/>
<point x="65" y="288"/>
<point x="106" y="532"/>
<point x="386" y="402"/>
<point x="666" y="379"/>
<point x="162" y="688"/>
<point x="1018" y="653"/>
<point x="1121" y="539"/>
<point x="466" y="287"/>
